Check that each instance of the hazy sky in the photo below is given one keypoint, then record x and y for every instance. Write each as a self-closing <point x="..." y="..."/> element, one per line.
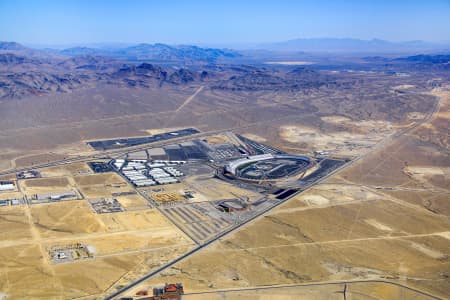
<point x="220" y="22"/>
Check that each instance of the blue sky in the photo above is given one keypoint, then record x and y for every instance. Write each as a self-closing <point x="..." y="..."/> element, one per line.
<point x="220" y="22"/>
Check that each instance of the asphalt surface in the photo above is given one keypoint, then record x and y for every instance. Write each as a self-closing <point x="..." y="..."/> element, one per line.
<point x="344" y="282"/>
<point x="118" y="152"/>
<point x="378" y="146"/>
<point x="209" y="242"/>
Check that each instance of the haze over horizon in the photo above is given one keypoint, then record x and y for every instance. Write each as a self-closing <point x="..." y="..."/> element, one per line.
<point x="232" y="23"/>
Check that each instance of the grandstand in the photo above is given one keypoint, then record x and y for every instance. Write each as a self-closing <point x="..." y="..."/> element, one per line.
<point x="267" y="167"/>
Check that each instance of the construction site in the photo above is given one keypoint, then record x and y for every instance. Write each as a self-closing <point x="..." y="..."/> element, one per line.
<point x="106" y="205"/>
<point x="70" y="253"/>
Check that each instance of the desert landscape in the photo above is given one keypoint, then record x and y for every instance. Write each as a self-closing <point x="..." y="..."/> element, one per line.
<point x="305" y="169"/>
<point x="354" y="214"/>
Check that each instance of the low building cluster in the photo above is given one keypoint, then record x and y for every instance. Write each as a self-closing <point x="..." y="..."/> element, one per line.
<point x="8" y="202"/>
<point x="170" y="291"/>
<point x="142" y="173"/>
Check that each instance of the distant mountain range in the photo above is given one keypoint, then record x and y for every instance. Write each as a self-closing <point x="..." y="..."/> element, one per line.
<point x="353" y="46"/>
<point x="25" y="71"/>
<point x="156" y="52"/>
<point x="12" y="46"/>
<point x="190" y="54"/>
<point x="141" y="52"/>
<point x="430" y="59"/>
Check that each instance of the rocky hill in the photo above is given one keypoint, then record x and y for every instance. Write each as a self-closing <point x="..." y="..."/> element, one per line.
<point x="156" y="53"/>
<point x="263" y="79"/>
<point x="430" y="59"/>
<point x="23" y="73"/>
<point x="14" y="59"/>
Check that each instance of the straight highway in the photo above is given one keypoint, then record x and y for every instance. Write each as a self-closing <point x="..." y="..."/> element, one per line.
<point x="376" y="148"/>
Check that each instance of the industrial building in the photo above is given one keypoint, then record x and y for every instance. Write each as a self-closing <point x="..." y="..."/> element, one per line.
<point x="174" y="172"/>
<point x="118" y="163"/>
<point x="8" y="202"/>
<point x="232" y="205"/>
<point x="106" y="205"/>
<point x="28" y="174"/>
<point x="55" y="196"/>
<point x="138" y="155"/>
<point x="157" y="154"/>
<point x="170" y="291"/>
<point x="7" y="186"/>
<point x="142" y="173"/>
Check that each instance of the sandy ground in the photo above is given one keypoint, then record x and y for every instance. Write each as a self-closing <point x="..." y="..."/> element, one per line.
<point x="74" y="169"/>
<point x="101" y="185"/>
<point x="30" y="187"/>
<point x="126" y="244"/>
<point x="404" y="87"/>
<point x="8" y="177"/>
<point x="331" y="232"/>
<point x="215" y="189"/>
<point x="36" y="159"/>
<point x="255" y="137"/>
<point x="11" y="195"/>
<point x="347" y="228"/>
<point x="131" y="202"/>
<point x="331" y="194"/>
<point x="45" y="182"/>
<point x="162" y="130"/>
<point x="13" y="224"/>
<point x="336" y="231"/>
<point x="218" y="139"/>
<point x="356" y="139"/>
<point x="425" y="174"/>
<point x="364" y="291"/>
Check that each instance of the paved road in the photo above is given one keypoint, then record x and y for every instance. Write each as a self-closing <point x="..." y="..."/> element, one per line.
<point x="124" y="150"/>
<point x="189" y="99"/>
<point x="390" y="188"/>
<point x="325" y="283"/>
<point x="209" y="242"/>
<point x="377" y="147"/>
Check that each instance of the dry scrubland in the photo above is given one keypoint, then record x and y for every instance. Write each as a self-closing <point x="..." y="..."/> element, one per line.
<point x="26" y="276"/>
<point x="364" y="291"/>
<point x="356" y="138"/>
<point x="45" y="185"/>
<point x="101" y="185"/>
<point x="60" y="124"/>
<point x="343" y="229"/>
<point x="73" y="169"/>
<point x="208" y="188"/>
<point x="348" y="228"/>
<point x="126" y="244"/>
